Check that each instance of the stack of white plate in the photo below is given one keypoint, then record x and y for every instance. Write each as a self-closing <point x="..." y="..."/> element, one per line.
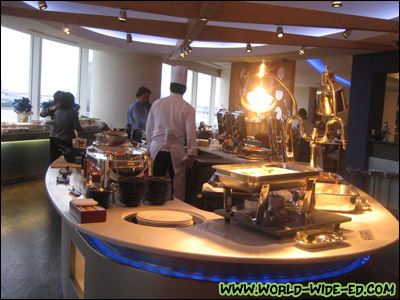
<point x="164" y="218"/>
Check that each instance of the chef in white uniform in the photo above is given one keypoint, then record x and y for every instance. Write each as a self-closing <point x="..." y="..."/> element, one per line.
<point x="171" y="119"/>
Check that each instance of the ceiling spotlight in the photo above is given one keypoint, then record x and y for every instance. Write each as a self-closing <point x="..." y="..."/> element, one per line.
<point x="302" y="50"/>
<point x="67" y="30"/>
<point x="279" y="32"/>
<point x="42" y="5"/>
<point x="204" y="20"/>
<point x="129" y="38"/>
<point x="346" y="33"/>
<point x="337" y="4"/>
<point x="122" y="15"/>
<point x="182" y="55"/>
<point x="248" y="48"/>
<point x="189" y="48"/>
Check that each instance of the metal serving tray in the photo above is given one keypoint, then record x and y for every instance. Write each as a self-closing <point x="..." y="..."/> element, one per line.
<point x="249" y="153"/>
<point x="335" y="197"/>
<point x="297" y="176"/>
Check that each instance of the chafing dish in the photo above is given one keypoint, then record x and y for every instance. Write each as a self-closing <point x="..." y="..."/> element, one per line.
<point x="278" y="218"/>
<point x="330" y="177"/>
<point x="109" y="158"/>
<point x="289" y="176"/>
<point x="335" y="197"/>
<point x="251" y="152"/>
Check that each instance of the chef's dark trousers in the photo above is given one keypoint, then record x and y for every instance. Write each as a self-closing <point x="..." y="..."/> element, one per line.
<point x="162" y="164"/>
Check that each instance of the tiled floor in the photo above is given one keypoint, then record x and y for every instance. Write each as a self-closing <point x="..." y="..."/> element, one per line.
<point x="30" y="248"/>
<point x="30" y="243"/>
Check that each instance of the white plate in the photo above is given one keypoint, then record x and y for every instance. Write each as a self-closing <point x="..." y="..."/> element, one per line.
<point x="164" y="218"/>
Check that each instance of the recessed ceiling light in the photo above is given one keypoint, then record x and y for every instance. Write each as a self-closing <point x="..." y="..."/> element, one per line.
<point x="337" y="4"/>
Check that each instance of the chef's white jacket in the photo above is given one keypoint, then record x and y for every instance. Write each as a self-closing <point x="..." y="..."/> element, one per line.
<point x="170" y="119"/>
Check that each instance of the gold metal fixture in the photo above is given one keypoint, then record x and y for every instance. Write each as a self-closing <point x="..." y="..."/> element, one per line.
<point x="42" y="5"/>
<point x="330" y="101"/>
<point x="279" y="32"/>
<point x="330" y="95"/>
<point x="129" y="38"/>
<point x="337" y="4"/>
<point x="347" y="33"/>
<point x="122" y="15"/>
<point x="248" y="48"/>
<point x="67" y="30"/>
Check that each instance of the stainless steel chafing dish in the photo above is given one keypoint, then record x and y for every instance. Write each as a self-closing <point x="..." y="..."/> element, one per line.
<point x="335" y="197"/>
<point x="272" y="177"/>
<point x="251" y="152"/>
<point x="232" y="176"/>
<point x="107" y="158"/>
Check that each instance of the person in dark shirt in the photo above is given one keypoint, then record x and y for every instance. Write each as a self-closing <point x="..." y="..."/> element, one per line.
<point x="50" y="113"/>
<point x="66" y="121"/>
<point x="202" y="126"/>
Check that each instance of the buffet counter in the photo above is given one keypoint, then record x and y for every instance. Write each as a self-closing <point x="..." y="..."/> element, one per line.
<point x="25" y="156"/>
<point x="233" y="158"/>
<point x="121" y="259"/>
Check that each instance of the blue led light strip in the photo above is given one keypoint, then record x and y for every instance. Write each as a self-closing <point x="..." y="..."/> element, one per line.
<point x="341" y="268"/>
<point x="320" y="67"/>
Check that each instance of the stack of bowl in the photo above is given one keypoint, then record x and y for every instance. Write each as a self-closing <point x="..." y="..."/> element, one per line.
<point x="105" y="197"/>
<point x="131" y="190"/>
<point x="158" y="190"/>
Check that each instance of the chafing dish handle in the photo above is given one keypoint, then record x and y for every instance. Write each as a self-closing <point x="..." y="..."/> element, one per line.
<point x="262" y="203"/>
<point x="309" y="197"/>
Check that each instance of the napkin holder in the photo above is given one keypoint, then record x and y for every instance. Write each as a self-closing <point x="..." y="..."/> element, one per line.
<point x="88" y="214"/>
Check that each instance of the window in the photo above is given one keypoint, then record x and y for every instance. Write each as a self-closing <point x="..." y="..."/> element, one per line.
<point x="15" y="65"/>
<point x="217" y="102"/>
<point x="89" y="90"/>
<point x="60" y="69"/>
<point x="203" y="99"/>
<point x="202" y="92"/>
<point x="188" y="96"/>
<point x="166" y="74"/>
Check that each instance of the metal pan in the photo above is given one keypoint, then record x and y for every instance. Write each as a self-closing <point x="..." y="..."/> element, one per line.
<point x="233" y="176"/>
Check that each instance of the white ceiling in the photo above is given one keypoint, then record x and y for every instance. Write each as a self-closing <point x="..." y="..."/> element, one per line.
<point x="217" y="55"/>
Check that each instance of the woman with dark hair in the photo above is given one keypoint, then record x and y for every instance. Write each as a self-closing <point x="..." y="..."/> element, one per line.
<point x="49" y="112"/>
<point x="138" y="111"/>
<point x="66" y="121"/>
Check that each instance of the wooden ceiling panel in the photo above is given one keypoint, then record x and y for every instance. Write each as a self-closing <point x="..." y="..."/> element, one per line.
<point x="256" y="13"/>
